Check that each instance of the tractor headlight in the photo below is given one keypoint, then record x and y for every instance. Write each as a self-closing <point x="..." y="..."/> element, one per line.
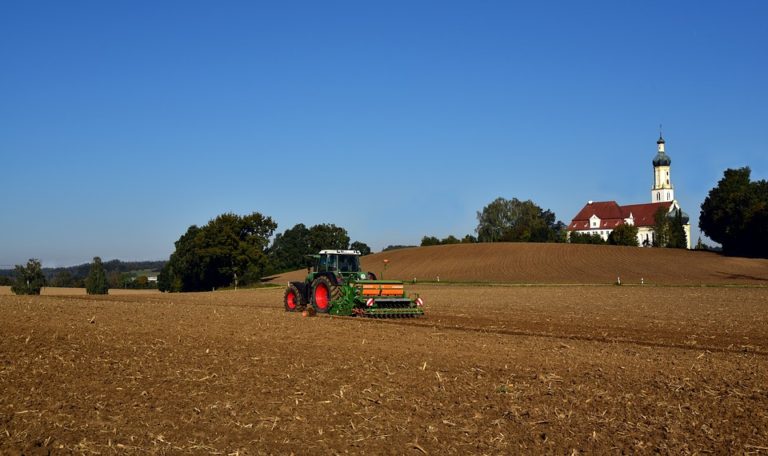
<point x="363" y="276"/>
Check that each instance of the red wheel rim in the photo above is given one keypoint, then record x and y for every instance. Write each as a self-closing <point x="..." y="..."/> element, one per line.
<point x="321" y="296"/>
<point x="290" y="298"/>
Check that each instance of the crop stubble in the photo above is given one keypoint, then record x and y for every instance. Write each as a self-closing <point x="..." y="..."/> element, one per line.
<point x="491" y="370"/>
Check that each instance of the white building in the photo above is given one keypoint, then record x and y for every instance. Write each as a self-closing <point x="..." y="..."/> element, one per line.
<point x="603" y="216"/>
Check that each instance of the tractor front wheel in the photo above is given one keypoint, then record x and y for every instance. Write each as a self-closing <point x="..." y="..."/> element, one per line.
<point x="323" y="293"/>
<point x="293" y="299"/>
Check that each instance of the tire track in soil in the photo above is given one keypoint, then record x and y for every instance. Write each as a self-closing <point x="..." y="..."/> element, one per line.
<point x="512" y="332"/>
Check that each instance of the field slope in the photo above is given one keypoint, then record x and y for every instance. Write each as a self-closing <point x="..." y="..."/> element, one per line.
<point x="561" y="263"/>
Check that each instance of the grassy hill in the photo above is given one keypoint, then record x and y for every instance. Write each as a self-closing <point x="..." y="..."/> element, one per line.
<point x="561" y="263"/>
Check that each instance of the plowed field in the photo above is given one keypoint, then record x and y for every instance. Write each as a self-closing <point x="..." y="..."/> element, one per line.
<point x="518" y="262"/>
<point x="490" y="370"/>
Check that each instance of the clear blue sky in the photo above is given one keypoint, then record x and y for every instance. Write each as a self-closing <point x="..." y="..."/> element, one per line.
<point x="123" y="123"/>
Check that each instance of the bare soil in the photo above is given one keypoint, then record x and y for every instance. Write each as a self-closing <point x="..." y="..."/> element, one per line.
<point x="517" y="262"/>
<point x="489" y="370"/>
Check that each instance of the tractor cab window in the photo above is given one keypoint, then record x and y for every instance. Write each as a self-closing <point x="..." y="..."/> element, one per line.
<point x="349" y="263"/>
<point x="328" y="263"/>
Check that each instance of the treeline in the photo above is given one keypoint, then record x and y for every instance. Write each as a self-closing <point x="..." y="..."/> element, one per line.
<point x="509" y="220"/>
<point x="234" y="250"/>
<point x="120" y="274"/>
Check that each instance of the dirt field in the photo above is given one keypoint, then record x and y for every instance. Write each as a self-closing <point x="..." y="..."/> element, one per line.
<point x="490" y="370"/>
<point x="517" y="262"/>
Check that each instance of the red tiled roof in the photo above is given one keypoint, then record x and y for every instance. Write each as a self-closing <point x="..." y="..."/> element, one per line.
<point x="612" y="215"/>
<point x="644" y="214"/>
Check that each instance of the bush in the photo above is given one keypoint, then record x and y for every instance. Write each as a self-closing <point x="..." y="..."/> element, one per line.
<point x="30" y="279"/>
<point x="96" y="281"/>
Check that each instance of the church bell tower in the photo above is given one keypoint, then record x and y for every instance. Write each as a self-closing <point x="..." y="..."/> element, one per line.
<point x="662" y="190"/>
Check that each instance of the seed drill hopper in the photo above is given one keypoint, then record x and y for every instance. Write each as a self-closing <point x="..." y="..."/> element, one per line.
<point x="335" y="284"/>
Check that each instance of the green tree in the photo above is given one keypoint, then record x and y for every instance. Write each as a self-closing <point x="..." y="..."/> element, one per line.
<point x="517" y="221"/>
<point x="735" y="214"/>
<point x="361" y="247"/>
<point x="230" y="249"/>
<point x="468" y="239"/>
<point x="624" y="234"/>
<point x="586" y="238"/>
<point x="96" y="281"/>
<point x="289" y="249"/>
<point x="661" y="227"/>
<point x="451" y="239"/>
<point x="327" y="236"/>
<point x="677" y="237"/>
<point x="30" y="279"/>
<point x="429" y="240"/>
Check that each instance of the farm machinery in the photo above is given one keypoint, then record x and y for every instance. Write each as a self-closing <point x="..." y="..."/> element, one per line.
<point x="335" y="284"/>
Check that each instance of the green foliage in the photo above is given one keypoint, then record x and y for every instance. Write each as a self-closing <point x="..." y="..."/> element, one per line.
<point x="96" y="281"/>
<point x="468" y="239"/>
<point x="290" y="248"/>
<point x="29" y="279"/>
<point x="327" y="236"/>
<point x="230" y="249"/>
<point x="660" y="228"/>
<point x="735" y="214"/>
<point x="624" y="234"/>
<point x="5" y="281"/>
<point x="397" y="247"/>
<point x="585" y="238"/>
<point x="427" y="241"/>
<point x="518" y="221"/>
<point x="362" y="247"/>
<point x="677" y="237"/>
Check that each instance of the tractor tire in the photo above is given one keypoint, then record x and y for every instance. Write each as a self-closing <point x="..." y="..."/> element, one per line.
<point x="371" y="276"/>
<point x="322" y="293"/>
<point x="293" y="299"/>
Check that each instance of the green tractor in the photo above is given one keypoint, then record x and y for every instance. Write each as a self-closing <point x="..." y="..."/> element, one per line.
<point x="336" y="285"/>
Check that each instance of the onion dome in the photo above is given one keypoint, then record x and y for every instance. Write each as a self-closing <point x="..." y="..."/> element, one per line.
<point x="661" y="159"/>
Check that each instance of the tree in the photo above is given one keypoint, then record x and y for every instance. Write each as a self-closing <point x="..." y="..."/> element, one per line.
<point x="289" y="248"/>
<point x="96" y="281"/>
<point x="677" y="237"/>
<point x="451" y="239"/>
<point x="230" y="249"/>
<point x="468" y="239"/>
<point x="429" y="240"/>
<point x="30" y="279"/>
<point x="660" y="228"/>
<point x="624" y="234"/>
<point x="585" y="238"/>
<point x="517" y="221"/>
<point x="362" y="247"/>
<point x="735" y="214"/>
<point x="327" y="236"/>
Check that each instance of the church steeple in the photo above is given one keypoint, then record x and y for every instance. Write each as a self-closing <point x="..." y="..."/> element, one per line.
<point x="662" y="190"/>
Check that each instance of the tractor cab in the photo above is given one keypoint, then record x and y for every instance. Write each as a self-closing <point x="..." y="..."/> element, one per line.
<point x="340" y="263"/>
<point x="337" y="261"/>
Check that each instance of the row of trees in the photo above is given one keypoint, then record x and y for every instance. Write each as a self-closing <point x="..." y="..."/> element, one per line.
<point x="30" y="280"/>
<point x="235" y="250"/>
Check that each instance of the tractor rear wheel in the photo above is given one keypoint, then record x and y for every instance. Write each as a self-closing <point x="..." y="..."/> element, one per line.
<point x="323" y="292"/>
<point x="293" y="299"/>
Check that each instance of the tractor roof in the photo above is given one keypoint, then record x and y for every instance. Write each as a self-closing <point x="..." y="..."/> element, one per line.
<point x="340" y="252"/>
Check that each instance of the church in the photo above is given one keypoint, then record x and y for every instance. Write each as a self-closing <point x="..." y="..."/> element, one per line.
<point x="603" y="216"/>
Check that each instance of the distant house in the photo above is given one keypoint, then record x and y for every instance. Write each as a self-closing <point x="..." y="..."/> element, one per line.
<point x="603" y="216"/>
